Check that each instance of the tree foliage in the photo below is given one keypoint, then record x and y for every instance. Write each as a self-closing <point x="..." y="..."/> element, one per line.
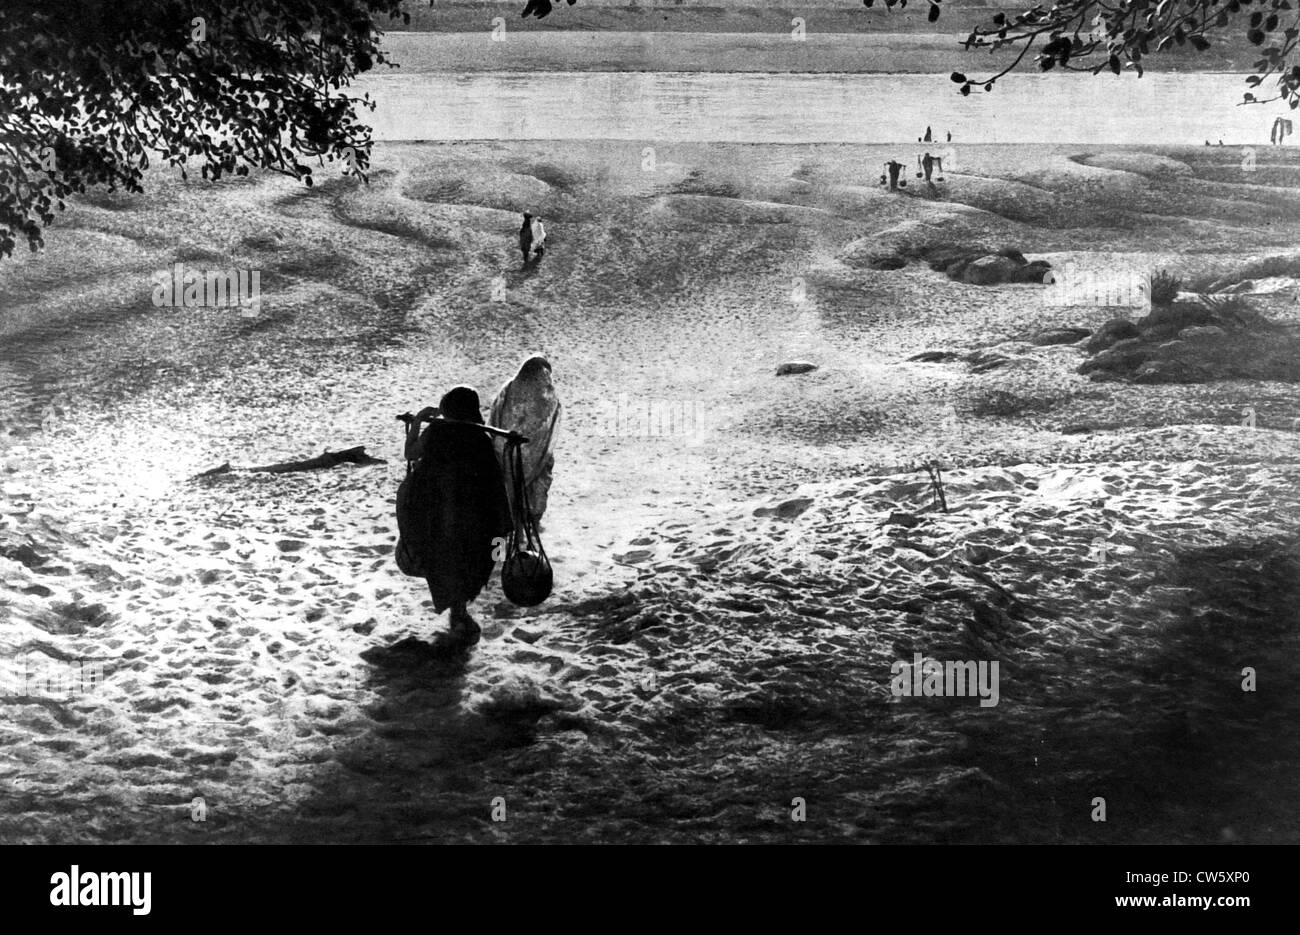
<point x="1097" y="36"/>
<point x="91" y="89"/>
<point x="1113" y="35"/>
<point x="540" y="8"/>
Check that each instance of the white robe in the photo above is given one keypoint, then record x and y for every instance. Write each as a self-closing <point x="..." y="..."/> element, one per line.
<point x="528" y="405"/>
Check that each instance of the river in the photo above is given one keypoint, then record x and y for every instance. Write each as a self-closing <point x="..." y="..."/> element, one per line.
<point x="1159" y="108"/>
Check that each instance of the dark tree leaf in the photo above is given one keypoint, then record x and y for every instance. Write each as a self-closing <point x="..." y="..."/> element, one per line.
<point x="120" y="79"/>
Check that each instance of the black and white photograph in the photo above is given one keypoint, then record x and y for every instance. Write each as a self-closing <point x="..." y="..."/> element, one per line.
<point x="625" y="422"/>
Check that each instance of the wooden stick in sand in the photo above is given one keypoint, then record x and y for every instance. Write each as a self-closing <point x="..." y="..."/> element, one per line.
<point x="326" y="459"/>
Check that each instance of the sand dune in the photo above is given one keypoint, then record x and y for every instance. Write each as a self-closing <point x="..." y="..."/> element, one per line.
<point x="731" y="596"/>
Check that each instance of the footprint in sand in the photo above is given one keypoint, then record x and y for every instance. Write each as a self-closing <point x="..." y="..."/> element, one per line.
<point x="634" y="557"/>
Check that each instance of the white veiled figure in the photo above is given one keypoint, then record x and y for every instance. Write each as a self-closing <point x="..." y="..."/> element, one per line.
<point x="528" y="405"/>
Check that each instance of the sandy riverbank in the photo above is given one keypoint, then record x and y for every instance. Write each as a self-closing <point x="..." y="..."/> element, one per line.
<point x="730" y="16"/>
<point x="524" y="48"/>
<point x="678" y="686"/>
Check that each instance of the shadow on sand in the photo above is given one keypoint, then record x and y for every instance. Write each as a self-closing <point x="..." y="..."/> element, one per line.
<point x="429" y="768"/>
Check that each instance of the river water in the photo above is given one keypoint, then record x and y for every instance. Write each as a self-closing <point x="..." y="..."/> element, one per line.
<point x="1158" y="108"/>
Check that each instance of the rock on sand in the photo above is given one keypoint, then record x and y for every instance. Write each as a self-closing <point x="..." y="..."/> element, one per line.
<point x="794" y="366"/>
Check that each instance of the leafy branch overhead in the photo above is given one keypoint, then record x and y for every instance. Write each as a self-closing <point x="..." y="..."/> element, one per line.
<point x="1090" y="35"/>
<point x="1096" y="36"/>
<point x="1113" y="35"/>
<point x="539" y="8"/>
<point x="92" y="90"/>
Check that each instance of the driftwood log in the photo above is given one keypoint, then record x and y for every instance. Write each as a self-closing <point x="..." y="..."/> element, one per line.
<point x="326" y="459"/>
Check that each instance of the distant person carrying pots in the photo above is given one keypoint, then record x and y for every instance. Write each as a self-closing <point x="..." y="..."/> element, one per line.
<point x="893" y="168"/>
<point x="926" y="164"/>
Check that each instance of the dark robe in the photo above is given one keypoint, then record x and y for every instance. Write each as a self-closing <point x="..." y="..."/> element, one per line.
<point x="928" y="163"/>
<point x="451" y="508"/>
<point x="526" y="238"/>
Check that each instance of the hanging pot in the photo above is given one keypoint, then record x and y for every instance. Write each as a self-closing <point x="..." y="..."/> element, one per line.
<point x="526" y="575"/>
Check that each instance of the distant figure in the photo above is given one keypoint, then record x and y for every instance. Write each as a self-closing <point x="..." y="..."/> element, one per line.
<point x="1281" y="130"/>
<point x="453" y="508"/>
<point x="526" y="237"/>
<point x="928" y="163"/>
<point x="949" y="136"/>
<point x="539" y="239"/>
<point x="928" y="137"/>
<point x="532" y="239"/>
<point x="528" y="405"/>
<point x="1220" y="142"/>
<point x="1207" y="142"/>
<point x="893" y="167"/>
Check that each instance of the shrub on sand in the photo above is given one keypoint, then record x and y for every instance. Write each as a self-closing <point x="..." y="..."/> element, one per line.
<point x="1286" y="265"/>
<point x="1164" y="288"/>
<point x="1225" y="311"/>
<point x="1003" y="404"/>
